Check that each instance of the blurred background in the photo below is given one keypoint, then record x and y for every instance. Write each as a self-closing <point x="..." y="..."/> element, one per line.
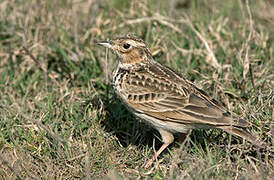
<point x="59" y="117"/>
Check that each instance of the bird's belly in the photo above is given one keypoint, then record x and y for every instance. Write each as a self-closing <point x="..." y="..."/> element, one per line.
<point x="173" y="127"/>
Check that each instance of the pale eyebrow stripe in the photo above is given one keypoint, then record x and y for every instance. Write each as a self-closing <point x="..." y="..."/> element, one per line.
<point x="136" y="43"/>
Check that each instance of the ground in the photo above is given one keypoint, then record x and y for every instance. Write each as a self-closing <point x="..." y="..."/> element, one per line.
<point x="59" y="117"/>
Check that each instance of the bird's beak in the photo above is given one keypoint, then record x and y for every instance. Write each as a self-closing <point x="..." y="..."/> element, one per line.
<point x="105" y="44"/>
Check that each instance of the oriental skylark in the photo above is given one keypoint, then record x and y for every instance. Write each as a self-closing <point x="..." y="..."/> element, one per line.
<point x="164" y="98"/>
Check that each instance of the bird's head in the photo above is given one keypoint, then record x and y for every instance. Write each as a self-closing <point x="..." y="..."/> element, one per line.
<point x="129" y="49"/>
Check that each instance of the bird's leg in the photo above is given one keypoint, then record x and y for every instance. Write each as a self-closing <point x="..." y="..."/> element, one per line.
<point x="167" y="138"/>
<point x="149" y="163"/>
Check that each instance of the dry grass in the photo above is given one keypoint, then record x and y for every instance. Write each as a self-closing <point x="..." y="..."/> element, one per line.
<point x="59" y="119"/>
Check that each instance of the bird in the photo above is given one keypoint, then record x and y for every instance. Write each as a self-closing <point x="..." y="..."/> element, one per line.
<point x="164" y="98"/>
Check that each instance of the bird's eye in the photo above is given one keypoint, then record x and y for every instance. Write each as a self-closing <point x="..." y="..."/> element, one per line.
<point x="126" y="46"/>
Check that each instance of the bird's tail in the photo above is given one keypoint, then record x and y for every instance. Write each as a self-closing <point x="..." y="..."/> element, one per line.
<point x="243" y="133"/>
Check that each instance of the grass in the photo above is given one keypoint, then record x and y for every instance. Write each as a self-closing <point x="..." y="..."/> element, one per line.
<point x="59" y="118"/>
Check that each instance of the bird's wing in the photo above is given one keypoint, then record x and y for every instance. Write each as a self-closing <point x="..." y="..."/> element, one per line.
<point x="184" y="104"/>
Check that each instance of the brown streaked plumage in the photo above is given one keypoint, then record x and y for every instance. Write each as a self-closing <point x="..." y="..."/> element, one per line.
<point x="164" y="98"/>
